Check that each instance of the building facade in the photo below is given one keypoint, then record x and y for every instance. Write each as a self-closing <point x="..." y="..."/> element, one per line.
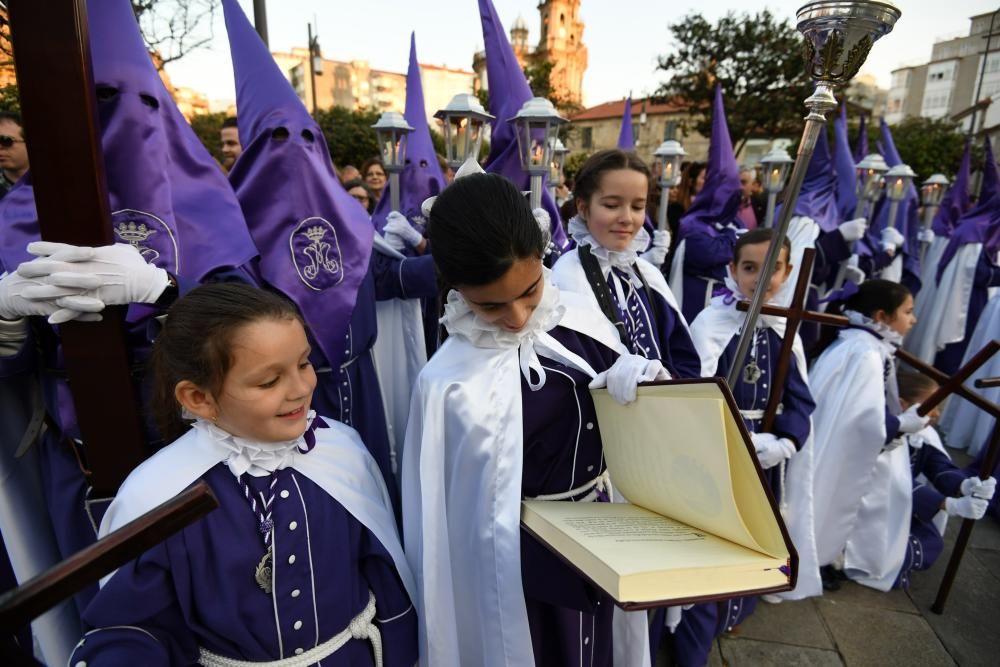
<point x="560" y="43"/>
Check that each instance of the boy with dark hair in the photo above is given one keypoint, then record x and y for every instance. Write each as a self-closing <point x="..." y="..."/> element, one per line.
<point x="13" y="151"/>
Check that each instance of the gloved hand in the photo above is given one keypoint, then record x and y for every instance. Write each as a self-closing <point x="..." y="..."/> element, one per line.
<point x="891" y="240"/>
<point x="911" y="422"/>
<point x="397" y="225"/>
<point x="966" y="507"/>
<point x="852" y="230"/>
<point x="544" y="224"/>
<point x="979" y="488"/>
<point x="657" y="252"/>
<point x="17" y="301"/>
<point x="771" y="450"/>
<point x="114" y="275"/>
<point x="853" y="272"/>
<point x="628" y="371"/>
<point x="926" y="236"/>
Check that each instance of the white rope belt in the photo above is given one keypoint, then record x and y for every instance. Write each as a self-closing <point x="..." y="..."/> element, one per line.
<point x="759" y="414"/>
<point x="360" y="627"/>
<point x="595" y="486"/>
<point x="346" y="364"/>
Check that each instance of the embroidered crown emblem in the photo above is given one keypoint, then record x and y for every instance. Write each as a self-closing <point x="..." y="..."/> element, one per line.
<point x="133" y="233"/>
<point x="315" y="234"/>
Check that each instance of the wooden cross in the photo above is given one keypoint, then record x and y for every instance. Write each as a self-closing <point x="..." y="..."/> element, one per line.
<point x="56" y="83"/>
<point x="988" y="383"/>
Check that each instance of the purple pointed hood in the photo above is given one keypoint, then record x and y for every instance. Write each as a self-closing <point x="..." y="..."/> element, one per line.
<point x="168" y="197"/>
<point x="982" y="223"/>
<point x="719" y="199"/>
<point x="818" y="197"/>
<point x="907" y="218"/>
<point x="956" y="200"/>
<point x="508" y="92"/>
<point x="844" y="166"/>
<point x="316" y="240"/>
<point x="861" y="147"/>
<point x="422" y="176"/>
<point x="626" y="140"/>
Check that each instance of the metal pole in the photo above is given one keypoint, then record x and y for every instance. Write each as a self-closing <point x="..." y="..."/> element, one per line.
<point x="394" y="190"/>
<point x="772" y="199"/>
<point x="893" y="212"/>
<point x="661" y="213"/>
<point x="982" y="73"/>
<point x="536" y="191"/>
<point x="260" y="19"/>
<point x="859" y="208"/>
<point x="821" y="102"/>
<point x="312" y="67"/>
<point x="929" y="213"/>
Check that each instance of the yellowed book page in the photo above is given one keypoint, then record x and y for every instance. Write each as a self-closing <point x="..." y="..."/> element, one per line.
<point x="668" y="453"/>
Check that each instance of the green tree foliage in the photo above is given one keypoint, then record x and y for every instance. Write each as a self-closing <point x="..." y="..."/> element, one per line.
<point x="757" y="60"/>
<point x="349" y="134"/>
<point x="207" y="127"/>
<point x="10" y="100"/>
<point x="927" y="145"/>
<point x="573" y="163"/>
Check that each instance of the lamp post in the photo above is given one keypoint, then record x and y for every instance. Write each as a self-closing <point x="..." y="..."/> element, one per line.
<point x="392" y="131"/>
<point x="776" y="165"/>
<point x="559" y="153"/>
<point x="931" y="194"/>
<point x="463" y="121"/>
<point x="315" y="64"/>
<point x="667" y="163"/>
<point x="897" y="183"/>
<point x="536" y="123"/>
<point x="839" y="35"/>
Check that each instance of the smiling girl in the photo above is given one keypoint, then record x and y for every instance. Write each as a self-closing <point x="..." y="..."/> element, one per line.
<point x="301" y="560"/>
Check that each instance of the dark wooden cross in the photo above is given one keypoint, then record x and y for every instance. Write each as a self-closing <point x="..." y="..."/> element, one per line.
<point x="988" y="383"/>
<point x="56" y="84"/>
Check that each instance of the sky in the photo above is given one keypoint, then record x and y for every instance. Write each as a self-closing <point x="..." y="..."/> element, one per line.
<point x="623" y="37"/>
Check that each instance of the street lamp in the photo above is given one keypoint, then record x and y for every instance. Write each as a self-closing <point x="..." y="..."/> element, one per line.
<point x="392" y="131"/>
<point x="776" y="165"/>
<point x="463" y="121"/>
<point x="536" y="124"/>
<point x="559" y="153"/>
<point x="667" y="162"/>
<point x="897" y="183"/>
<point x="931" y="194"/>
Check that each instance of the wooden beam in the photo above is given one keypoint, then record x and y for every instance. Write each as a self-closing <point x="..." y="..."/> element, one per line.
<point x="988" y="383"/>
<point x="959" y="390"/>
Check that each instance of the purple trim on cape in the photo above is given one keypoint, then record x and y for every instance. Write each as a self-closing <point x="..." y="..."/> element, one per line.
<point x="422" y="176"/>
<point x="317" y="241"/>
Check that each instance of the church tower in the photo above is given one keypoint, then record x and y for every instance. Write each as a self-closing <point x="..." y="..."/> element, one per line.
<point x="562" y="44"/>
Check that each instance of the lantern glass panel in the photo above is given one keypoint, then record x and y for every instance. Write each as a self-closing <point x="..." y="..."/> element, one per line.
<point x="931" y="194"/>
<point x="897" y="188"/>
<point x="534" y="146"/>
<point x="393" y="147"/>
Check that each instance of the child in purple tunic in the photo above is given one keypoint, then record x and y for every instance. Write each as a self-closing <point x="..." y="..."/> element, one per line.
<point x="606" y="267"/>
<point x="301" y="560"/>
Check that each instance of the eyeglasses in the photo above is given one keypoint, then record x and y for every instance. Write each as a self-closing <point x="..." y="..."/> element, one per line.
<point x="8" y="142"/>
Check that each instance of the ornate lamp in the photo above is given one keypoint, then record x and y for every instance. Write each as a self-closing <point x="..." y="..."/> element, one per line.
<point x="776" y="165"/>
<point x="392" y="131"/>
<point x="897" y="183"/>
<point x="667" y="163"/>
<point x="536" y="123"/>
<point x="931" y="194"/>
<point x="463" y="121"/>
<point x="838" y="36"/>
<point x="559" y="153"/>
<point x="871" y="172"/>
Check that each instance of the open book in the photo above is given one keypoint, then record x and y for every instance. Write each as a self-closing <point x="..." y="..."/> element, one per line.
<point x="699" y="524"/>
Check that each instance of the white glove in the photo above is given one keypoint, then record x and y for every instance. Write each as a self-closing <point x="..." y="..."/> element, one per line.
<point x="926" y="236"/>
<point x="911" y="422"/>
<point x="544" y="224"/>
<point x="891" y="240"/>
<point x="771" y="450"/>
<point x="892" y="444"/>
<point x="657" y="252"/>
<point x="979" y="488"/>
<point x="853" y="230"/>
<point x="627" y="372"/>
<point x="115" y="275"/>
<point x="20" y="297"/>
<point x="966" y="507"/>
<point x="397" y="225"/>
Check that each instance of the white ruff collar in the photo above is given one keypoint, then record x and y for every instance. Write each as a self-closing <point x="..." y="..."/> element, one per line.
<point x="620" y="259"/>
<point x="255" y="457"/>
<point x="886" y="333"/>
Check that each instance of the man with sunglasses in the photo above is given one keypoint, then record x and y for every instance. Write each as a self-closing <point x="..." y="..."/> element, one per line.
<point x="13" y="151"/>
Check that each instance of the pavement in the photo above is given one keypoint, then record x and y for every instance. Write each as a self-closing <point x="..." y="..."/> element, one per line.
<point x="861" y="627"/>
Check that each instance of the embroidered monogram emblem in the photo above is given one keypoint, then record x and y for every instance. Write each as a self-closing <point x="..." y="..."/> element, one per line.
<point x="316" y="253"/>
<point x="148" y="234"/>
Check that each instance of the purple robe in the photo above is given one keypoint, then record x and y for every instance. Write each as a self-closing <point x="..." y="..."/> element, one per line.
<point x="197" y="588"/>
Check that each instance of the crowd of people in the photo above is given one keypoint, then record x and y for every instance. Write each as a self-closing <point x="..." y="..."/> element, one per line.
<point x="371" y="393"/>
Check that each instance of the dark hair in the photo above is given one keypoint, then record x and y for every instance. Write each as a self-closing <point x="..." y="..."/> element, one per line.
<point x="871" y="297"/>
<point x="588" y="178"/>
<point x="689" y="178"/>
<point x="479" y="226"/>
<point x="15" y="118"/>
<point x="755" y="236"/>
<point x="368" y="163"/>
<point x="195" y="343"/>
<point x="913" y="386"/>
<point x="230" y="121"/>
<point x="359" y="183"/>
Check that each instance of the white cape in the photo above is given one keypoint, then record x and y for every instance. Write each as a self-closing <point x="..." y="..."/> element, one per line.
<point x="849" y="430"/>
<point x="399" y="353"/>
<point x="711" y="332"/>
<point x="966" y="426"/>
<point x="461" y="489"/>
<point x="942" y="308"/>
<point x="339" y="464"/>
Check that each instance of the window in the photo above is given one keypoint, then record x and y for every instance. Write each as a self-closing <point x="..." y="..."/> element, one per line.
<point x="670" y="130"/>
<point x="588" y="137"/>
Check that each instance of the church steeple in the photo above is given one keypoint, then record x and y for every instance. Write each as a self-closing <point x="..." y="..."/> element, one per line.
<point x="561" y="43"/>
